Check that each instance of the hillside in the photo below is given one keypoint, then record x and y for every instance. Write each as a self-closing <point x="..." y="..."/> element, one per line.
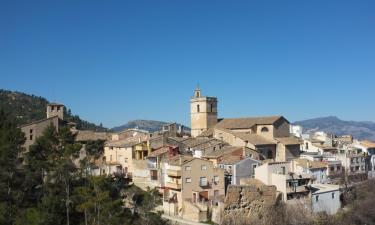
<point x="149" y="125"/>
<point x="360" y="130"/>
<point x="27" y="108"/>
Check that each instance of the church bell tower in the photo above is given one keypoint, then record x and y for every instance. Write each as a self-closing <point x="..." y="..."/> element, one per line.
<point x="203" y="112"/>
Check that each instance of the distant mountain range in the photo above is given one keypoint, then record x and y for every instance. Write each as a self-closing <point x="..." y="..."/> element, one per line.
<point x="149" y="125"/>
<point x="360" y="130"/>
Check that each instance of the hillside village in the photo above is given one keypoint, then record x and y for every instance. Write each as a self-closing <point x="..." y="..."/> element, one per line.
<point x="226" y="165"/>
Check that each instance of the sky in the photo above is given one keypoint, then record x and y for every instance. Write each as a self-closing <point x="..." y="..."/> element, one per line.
<point x="114" y="61"/>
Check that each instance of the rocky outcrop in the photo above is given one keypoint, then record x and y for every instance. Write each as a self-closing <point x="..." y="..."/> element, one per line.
<point x="251" y="198"/>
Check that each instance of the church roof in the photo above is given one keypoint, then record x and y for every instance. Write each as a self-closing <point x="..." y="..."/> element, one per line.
<point x="247" y="123"/>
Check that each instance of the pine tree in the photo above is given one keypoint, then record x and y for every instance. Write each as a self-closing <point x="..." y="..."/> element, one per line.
<point x="11" y="174"/>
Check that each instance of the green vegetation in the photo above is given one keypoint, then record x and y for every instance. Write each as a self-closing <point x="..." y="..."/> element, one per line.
<point x="29" y="108"/>
<point x="49" y="189"/>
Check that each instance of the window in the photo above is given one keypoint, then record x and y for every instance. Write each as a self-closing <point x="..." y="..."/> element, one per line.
<point x="332" y="168"/>
<point x="188" y="180"/>
<point x="216" y="193"/>
<point x="333" y="195"/>
<point x="307" y="145"/>
<point x="283" y="169"/>
<point x="203" y="182"/>
<point x="187" y="168"/>
<point x="264" y="129"/>
<point x="198" y="108"/>
<point x="126" y="160"/>
<point x="31" y="137"/>
<point x="203" y="167"/>
<point x="254" y="166"/>
<point x="216" y="179"/>
<point x="52" y="108"/>
<point x="211" y="107"/>
<point x="317" y="198"/>
<point x="31" y="131"/>
<point x="58" y="108"/>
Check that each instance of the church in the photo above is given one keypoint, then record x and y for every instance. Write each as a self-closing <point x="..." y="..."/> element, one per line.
<point x="269" y="135"/>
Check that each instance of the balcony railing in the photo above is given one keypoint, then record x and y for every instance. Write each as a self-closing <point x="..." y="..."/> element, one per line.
<point x="174" y="173"/>
<point x="173" y="185"/>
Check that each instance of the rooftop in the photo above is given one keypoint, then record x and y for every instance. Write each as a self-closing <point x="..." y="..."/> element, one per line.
<point x="322" y="188"/>
<point x="308" y="164"/>
<point x="85" y="135"/>
<point x="129" y="142"/>
<point x="246" y="123"/>
<point x="180" y="160"/>
<point x="160" y="151"/>
<point x="231" y="159"/>
<point x="220" y="152"/>
<point x="254" y="139"/>
<point x="39" y="121"/>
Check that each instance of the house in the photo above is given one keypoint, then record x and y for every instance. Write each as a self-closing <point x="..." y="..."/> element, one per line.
<point x="353" y="160"/>
<point x="325" y="198"/>
<point x="128" y="157"/>
<point x="155" y="164"/>
<point x="368" y="147"/>
<point x="216" y="155"/>
<point x="317" y="169"/>
<point x="292" y="185"/>
<point x="192" y="186"/>
<point x="237" y="168"/>
<point x="265" y="146"/>
<point x="130" y="133"/>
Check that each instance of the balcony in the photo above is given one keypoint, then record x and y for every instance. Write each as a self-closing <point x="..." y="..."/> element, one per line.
<point x="174" y="173"/>
<point x="173" y="185"/>
<point x="297" y="189"/>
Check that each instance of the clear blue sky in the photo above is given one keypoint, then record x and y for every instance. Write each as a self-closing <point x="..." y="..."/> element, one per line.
<point x="113" y="61"/>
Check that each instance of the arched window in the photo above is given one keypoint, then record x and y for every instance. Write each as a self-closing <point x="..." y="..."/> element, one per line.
<point x="198" y="108"/>
<point x="264" y="129"/>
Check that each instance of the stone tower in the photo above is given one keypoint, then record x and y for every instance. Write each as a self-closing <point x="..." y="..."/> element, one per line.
<point x="203" y="113"/>
<point x="55" y="109"/>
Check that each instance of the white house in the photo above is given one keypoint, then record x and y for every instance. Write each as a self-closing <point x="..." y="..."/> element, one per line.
<point x="325" y="198"/>
<point x="237" y="167"/>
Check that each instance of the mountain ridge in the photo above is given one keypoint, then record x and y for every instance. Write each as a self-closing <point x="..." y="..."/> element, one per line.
<point x="359" y="129"/>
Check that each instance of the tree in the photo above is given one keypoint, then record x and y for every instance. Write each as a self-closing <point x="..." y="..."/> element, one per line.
<point x="11" y="140"/>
